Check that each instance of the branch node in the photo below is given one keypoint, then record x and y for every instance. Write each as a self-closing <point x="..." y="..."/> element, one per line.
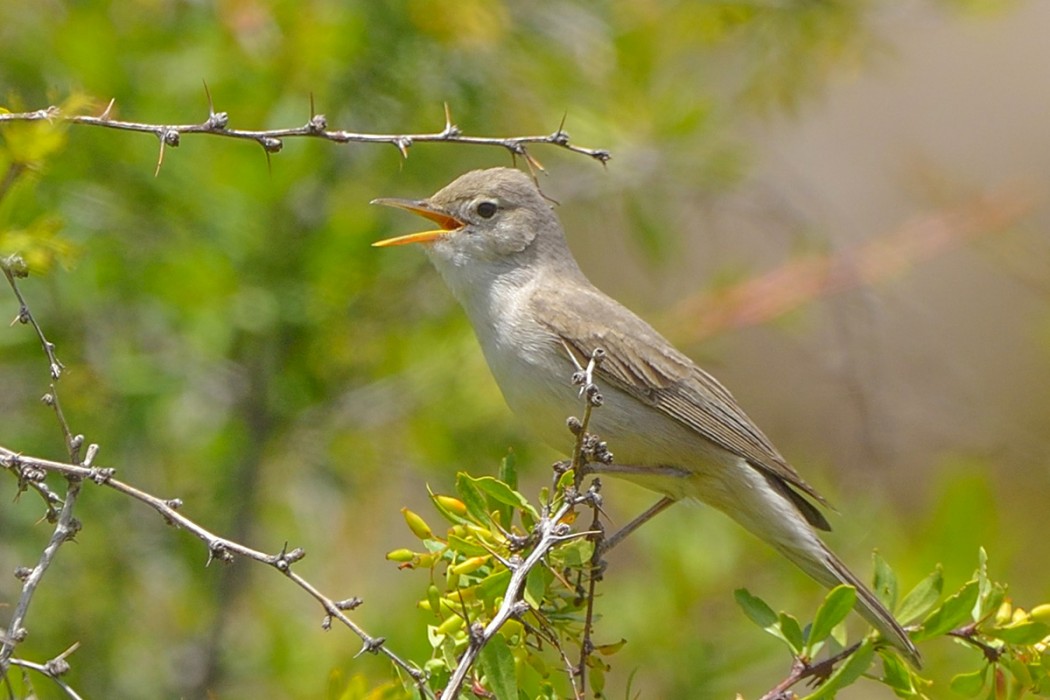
<point x="371" y="645"/>
<point x="101" y="475"/>
<point x="403" y="143"/>
<point x="271" y="144"/>
<point x="349" y="603"/>
<point x="317" y="124"/>
<point x="218" y="550"/>
<point x="23" y="572"/>
<point x="217" y="121"/>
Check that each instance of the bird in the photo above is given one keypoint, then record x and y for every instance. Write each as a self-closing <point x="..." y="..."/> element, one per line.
<point x="671" y="427"/>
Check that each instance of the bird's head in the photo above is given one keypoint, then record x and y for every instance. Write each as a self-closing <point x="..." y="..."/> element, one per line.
<point x="495" y="217"/>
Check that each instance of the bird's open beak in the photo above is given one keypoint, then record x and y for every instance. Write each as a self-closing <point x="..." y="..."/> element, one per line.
<point x="424" y="208"/>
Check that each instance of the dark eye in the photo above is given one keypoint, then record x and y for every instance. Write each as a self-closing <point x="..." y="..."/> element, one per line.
<point x="486" y="210"/>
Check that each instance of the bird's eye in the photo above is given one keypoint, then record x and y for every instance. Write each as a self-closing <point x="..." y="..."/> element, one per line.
<point x="486" y="210"/>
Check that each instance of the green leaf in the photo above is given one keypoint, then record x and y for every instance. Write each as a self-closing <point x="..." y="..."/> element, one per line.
<point x="466" y="547"/>
<point x="572" y="554"/>
<point x="921" y="599"/>
<point x="536" y="583"/>
<point x="497" y="663"/>
<point x="1021" y="672"/>
<point x="1022" y="633"/>
<point x="792" y="632"/>
<point x="954" y="611"/>
<point x="886" y="587"/>
<point x="985" y="586"/>
<point x="970" y="684"/>
<point x="508" y="470"/>
<point x="847" y="673"/>
<point x="761" y="614"/>
<point x="492" y="585"/>
<point x="499" y="492"/>
<point x="898" y="676"/>
<point x="837" y="604"/>
<point x="755" y="608"/>
<point x="472" y="497"/>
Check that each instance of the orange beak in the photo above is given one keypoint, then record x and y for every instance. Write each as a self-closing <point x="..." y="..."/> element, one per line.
<point x="425" y="209"/>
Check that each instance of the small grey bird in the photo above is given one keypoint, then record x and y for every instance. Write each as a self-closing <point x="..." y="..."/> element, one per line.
<point x="671" y="426"/>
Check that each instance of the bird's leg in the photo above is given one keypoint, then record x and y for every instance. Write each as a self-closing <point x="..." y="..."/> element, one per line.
<point x="658" y="507"/>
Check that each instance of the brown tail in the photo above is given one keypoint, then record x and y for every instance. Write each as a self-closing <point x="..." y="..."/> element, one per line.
<point x="833" y="573"/>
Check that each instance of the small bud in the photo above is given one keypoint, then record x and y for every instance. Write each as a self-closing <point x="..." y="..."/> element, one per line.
<point x="453" y="505"/>
<point x="451" y="625"/>
<point x="417" y="525"/>
<point x="433" y="597"/>
<point x="171" y="137"/>
<point x="271" y="145"/>
<point x="401" y="555"/>
<point x="317" y="123"/>
<point x="469" y="566"/>
<point x="574" y="424"/>
<point x="1041" y="613"/>
<point x="22" y="573"/>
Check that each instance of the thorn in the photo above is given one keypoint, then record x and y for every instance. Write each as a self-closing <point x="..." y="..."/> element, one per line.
<point x="533" y="163"/>
<point x="312" y="110"/>
<point x="160" y="158"/>
<point x="403" y="143"/>
<point x="108" y="110"/>
<point x="451" y="130"/>
<point x="207" y="93"/>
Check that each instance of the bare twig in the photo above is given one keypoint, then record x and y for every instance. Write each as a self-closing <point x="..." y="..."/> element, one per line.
<point x="13" y="266"/>
<point x="52" y="669"/>
<point x="218" y="547"/>
<point x="272" y="140"/>
<point x="66" y="529"/>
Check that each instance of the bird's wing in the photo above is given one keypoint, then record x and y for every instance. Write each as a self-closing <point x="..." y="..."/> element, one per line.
<point x="642" y="363"/>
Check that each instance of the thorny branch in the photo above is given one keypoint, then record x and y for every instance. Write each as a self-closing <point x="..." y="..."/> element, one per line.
<point x="272" y="140"/>
<point x="31" y="472"/>
<point x="26" y="467"/>
<point x="550" y="531"/>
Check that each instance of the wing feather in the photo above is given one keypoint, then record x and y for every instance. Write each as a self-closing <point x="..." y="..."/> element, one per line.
<point x="640" y="362"/>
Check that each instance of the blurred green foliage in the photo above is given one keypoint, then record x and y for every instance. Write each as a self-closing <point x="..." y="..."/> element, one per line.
<point x="231" y="339"/>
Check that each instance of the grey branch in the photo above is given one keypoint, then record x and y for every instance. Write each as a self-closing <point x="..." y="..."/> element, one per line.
<point x="551" y="531"/>
<point x="272" y="140"/>
<point x="218" y="547"/>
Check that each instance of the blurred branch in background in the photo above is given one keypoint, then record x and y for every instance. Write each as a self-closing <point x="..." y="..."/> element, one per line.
<point x="807" y="278"/>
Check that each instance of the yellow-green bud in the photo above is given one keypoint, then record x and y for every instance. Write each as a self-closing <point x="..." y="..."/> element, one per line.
<point x="450" y="625"/>
<point x="468" y="566"/>
<point x="401" y="555"/>
<point x="417" y="525"/>
<point x="453" y="505"/>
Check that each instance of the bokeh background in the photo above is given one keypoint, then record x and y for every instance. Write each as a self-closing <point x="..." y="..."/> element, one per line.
<point x="232" y="340"/>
